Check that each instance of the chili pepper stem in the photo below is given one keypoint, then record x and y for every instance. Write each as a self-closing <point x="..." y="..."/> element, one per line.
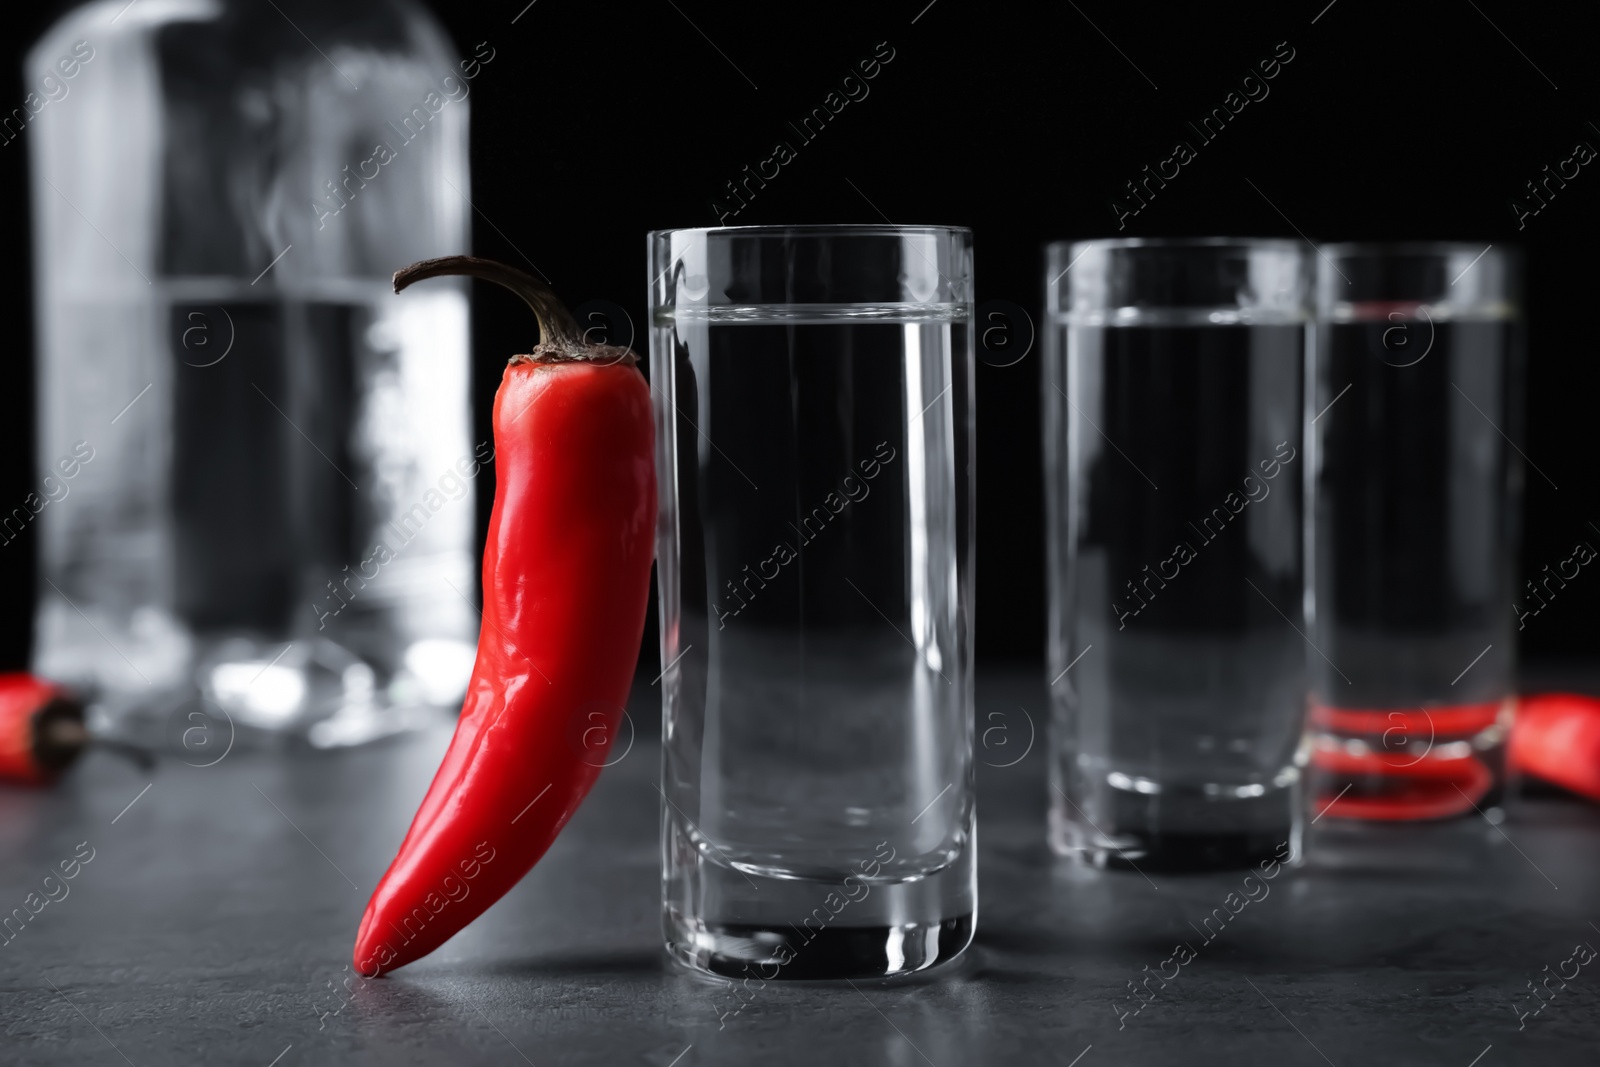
<point x="561" y="340"/>
<point x="555" y="322"/>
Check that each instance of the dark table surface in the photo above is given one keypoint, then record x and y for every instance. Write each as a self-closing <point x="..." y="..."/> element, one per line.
<point x="214" y="923"/>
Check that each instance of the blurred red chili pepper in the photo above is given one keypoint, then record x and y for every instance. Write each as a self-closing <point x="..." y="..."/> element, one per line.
<point x="566" y="576"/>
<point x="1400" y="765"/>
<point x="41" y="729"/>
<point x="1557" y="738"/>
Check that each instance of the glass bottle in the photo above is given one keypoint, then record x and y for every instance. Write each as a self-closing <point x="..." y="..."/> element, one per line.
<point x="256" y="469"/>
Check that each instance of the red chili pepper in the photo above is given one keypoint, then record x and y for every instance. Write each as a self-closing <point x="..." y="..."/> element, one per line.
<point x="1433" y="788"/>
<point x="566" y="576"/>
<point x="41" y="729"/>
<point x="1403" y="765"/>
<point x="1432" y="723"/>
<point x="1557" y="738"/>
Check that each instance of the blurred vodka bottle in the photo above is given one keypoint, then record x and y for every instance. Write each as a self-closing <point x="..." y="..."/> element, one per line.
<point x="257" y="477"/>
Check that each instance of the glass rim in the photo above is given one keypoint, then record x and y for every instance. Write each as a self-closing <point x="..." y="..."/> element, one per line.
<point x="815" y="229"/>
<point x="1414" y="248"/>
<point x="1285" y="244"/>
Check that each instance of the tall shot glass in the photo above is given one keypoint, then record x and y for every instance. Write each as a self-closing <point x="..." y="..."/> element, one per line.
<point x="813" y="391"/>
<point x="1415" y="522"/>
<point x="1173" y="397"/>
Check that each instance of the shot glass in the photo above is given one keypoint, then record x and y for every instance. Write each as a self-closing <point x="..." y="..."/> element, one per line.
<point x="1414" y="528"/>
<point x="813" y="392"/>
<point x="1173" y="411"/>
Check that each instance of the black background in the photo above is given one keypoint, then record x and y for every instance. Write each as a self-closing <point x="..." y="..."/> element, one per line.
<point x="598" y="122"/>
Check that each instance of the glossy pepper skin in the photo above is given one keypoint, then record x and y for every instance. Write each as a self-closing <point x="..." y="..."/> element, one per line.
<point x="1557" y="738"/>
<point x="566" y="574"/>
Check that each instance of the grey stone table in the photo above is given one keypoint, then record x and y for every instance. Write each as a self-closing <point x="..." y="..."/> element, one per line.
<point x="214" y="920"/>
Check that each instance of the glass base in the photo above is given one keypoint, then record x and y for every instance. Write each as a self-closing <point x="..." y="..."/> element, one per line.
<point x="848" y="952"/>
<point x="1178" y="853"/>
<point x="855" y="921"/>
<point x="1181" y="828"/>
